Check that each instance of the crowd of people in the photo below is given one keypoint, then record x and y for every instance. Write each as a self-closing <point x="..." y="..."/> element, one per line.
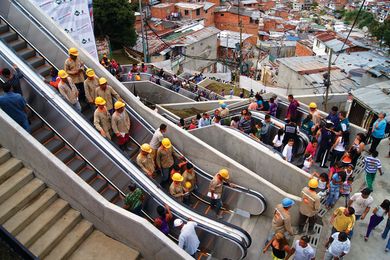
<point x="329" y="143"/>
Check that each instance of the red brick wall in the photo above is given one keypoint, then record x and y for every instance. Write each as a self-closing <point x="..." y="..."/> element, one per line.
<point x="229" y="21"/>
<point x="162" y="13"/>
<point x="265" y="5"/>
<point x="303" y="50"/>
<point x="281" y="13"/>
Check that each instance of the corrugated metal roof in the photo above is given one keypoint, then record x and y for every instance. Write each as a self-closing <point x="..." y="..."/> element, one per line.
<point x="374" y="97"/>
<point x="229" y="38"/>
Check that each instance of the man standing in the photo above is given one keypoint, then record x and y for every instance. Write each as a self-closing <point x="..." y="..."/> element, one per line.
<point x="121" y="125"/>
<point x="378" y="131"/>
<point x="327" y="136"/>
<point x="90" y="85"/>
<point x="338" y="246"/>
<point x="204" y="121"/>
<point x="281" y="221"/>
<point x="266" y="130"/>
<point x="216" y="188"/>
<point x="302" y="250"/>
<point x="343" y="220"/>
<point x="157" y="138"/>
<point x="371" y="165"/>
<point x="13" y="79"/>
<point x="361" y="202"/>
<point x="164" y="159"/>
<point x="75" y="68"/>
<point x="102" y="119"/>
<point x="292" y="110"/>
<point x="246" y="123"/>
<point x="68" y="90"/>
<point x="146" y="161"/>
<point x="107" y="92"/>
<point x="309" y="206"/>
<point x="188" y="239"/>
<point x="14" y="105"/>
<point x="315" y="114"/>
<point x="134" y="199"/>
<point x="334" y="117"/>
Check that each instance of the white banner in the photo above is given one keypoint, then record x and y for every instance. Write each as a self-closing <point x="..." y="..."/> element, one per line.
<point x="74" y="17"/>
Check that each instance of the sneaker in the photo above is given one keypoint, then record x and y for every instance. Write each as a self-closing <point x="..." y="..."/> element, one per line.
<point x="366" y="239"/>
<point x="387" y="250"/>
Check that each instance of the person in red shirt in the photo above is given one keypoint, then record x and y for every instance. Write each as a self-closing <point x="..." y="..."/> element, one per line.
<point x="312" y="148"/>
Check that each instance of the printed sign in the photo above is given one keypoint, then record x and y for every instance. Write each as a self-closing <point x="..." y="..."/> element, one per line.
<point x="74" y="17"/>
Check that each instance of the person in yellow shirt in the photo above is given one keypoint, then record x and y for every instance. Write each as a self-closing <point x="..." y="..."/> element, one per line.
<point x="120" y="124"/>
<point x="343" y="220"/>
<point x="107" y="92"/>
<point x="102" y="119"/>
<point x="90" y="85"/>
<point x="309" y="206"/>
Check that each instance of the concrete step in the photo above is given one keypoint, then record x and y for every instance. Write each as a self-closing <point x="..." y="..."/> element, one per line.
<point x="19" y="199"/>
<point x="99" y="246"/>
<point x="8" y="168"/>
<point x="26" y="215"/>
<point x="71" y="241"/>
<point x="14" y="183"/>
<point x="4" y="155"/>
<point x="43" y="222"/>
<point x="56" y="233"/>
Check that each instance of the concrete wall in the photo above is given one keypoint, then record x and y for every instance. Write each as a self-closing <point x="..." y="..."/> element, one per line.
<point x="255" y="157"/>
<point x="201" y="154"/>
<point x="205" y="48"/>
<point x="155" y="93"/>
<point x="107" y="217"/>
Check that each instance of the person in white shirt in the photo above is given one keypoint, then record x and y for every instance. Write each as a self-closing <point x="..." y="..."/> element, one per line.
<point x="278" y="140"/>
<point x="287" y="151"/>
<point x="188" y="239"/>
<point x="155" y="143"/>
<point x="302" y="250"/>
<point x="338" y="246"/>
<point x="361" y="202"/>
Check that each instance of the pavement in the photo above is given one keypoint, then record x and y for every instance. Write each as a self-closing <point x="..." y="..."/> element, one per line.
<point x="374" y="247"/>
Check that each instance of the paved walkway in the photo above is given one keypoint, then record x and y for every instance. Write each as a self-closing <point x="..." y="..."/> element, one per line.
<point x="374" y="247"/>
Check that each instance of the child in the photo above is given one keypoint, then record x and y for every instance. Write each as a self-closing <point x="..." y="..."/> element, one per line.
<point x="349" y="170"/>
<point x="346" y="189"/>
<point x="323" y="183"/>
<point x="334" y="191"/>
<point x="307" y="163"/>
<point x="287" y="151"/>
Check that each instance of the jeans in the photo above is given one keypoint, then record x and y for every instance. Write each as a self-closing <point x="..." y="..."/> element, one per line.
<point x="374" y="144"/>
<point x="322" y="156"/>
<point x="370" y="177"/>
<point x="165" y="174"/>
<point x="77" y="106"/>
<point x="217" y="203"/>
<point x="80" y="88"/>
<point x="387" y="229"/>
<point x="329" y="256"/>
<point x="357" y="217"/>
<point x="137" y="210"/>
<point x="302" y="221"/>
<point x="26" y="125"/>
<point x="333" y="196"/>
<point x="374" y="221"/>
<point x="346" y="199"/>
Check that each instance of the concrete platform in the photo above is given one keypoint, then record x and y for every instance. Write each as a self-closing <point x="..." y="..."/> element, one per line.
<point x="99" y="246"/>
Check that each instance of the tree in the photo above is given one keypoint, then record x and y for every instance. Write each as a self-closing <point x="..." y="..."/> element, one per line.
<point x="115" y="18"/>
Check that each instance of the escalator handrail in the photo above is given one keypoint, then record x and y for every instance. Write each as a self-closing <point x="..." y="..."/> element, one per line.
<point x="75" y="150"/>
<point x="203" y="224"/>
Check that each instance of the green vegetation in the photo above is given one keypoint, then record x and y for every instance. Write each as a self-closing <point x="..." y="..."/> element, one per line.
<point x="217" y="88"/>
<point x="184" y="113"/>
<point x="121" y="57"/>
<point x="381" y="31"/>
<point x="115" y="18"/>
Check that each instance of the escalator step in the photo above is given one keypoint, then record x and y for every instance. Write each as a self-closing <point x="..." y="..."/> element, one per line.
<point x="9" y="36"/>
<point x="18" y="44"/>
<point x="65" y="154"/>
<point x="3" y="28"/>
<point x="87" y="174"/>
<point x="88" y="113"/>
<point x="120" y="202"/>
<point x="35" y="124"/>
<point x="26" y="53"/>
<point x="35" y="61"/>
<point x="54" y="144"/>
<point x="43" y="134"/>
<point x="43" y="70"/>
<point x="98" y="184"/>
<point x="110" y="194"/>
<point x="76" y="164"/>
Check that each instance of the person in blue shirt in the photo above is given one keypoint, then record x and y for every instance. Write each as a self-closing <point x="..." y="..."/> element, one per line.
<point x="378" y="131"/>
<point x="15" y="106"/>
<point x="334" y="117"/>
<point x="13" y="79"/>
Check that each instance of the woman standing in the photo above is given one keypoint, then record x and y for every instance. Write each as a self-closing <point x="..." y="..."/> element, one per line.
<point x="279" y="245"/>
<point x="377" y="217"/>
<point x="358" y="146"/>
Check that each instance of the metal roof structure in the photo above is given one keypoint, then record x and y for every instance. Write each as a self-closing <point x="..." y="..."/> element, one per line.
<point x="229" y="39"/>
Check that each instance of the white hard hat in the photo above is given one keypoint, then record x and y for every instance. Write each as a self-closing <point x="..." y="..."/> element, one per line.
<point x="178" y="222"/>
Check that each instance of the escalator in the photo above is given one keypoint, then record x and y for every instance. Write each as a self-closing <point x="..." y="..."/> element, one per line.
<point x="105" y="170"/>
<point x="43" y="129"/>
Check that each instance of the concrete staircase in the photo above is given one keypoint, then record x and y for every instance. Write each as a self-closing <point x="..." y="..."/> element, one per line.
<point x="45" y="223"/>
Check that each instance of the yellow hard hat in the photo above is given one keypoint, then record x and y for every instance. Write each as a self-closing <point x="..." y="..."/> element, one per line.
<point x="102" y="81"/>
<point x="146" y="148"/>
<point x="90" y="72"/>
<point x="313" y="105"/>
<point x="62" y="74"/>
<point x="187" y="185"/>
<point x="177" y="177"/>
<point x="119" y="104"/>
<point x="166" y="143"/>
<point x="313" y="183"/>
<point x="99" y="101"/>
<point x="73" y="51"/>
<point x="224" y="173"/>
<point x="221" y="102"/>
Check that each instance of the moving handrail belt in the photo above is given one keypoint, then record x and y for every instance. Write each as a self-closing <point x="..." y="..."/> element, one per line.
<point x="205" y="224"/>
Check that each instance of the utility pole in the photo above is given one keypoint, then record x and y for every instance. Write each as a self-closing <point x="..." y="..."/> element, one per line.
<point x="327" y="79"/>
<point x="143" y="32"/>
<point x="240" y="51"/>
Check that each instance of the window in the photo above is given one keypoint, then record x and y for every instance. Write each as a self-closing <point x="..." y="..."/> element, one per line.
<point x="318" y="43"/>
<point x="250" y="20"/>
<point x="198" y="12"/>
<point x="185" y="12"/>
<point x="205" y="11"/>
<point x="327" y="49"/>
<point x="222" y="14"/>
